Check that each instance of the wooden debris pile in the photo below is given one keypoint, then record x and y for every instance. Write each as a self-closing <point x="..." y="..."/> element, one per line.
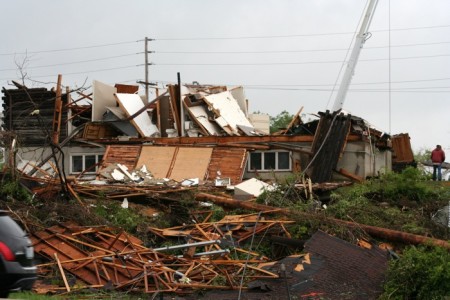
<point x="99" y="257"/>
<point x="235" y="229"/>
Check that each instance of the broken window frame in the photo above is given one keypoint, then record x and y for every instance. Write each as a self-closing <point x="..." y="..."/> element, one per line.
<point x="263" y="161"/>
<point x="98" y="158"/>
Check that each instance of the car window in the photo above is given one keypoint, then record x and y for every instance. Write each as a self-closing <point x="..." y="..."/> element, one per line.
<point x="9" y="227"/>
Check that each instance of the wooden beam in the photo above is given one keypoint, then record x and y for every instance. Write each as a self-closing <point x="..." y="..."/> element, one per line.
<point x="66" y="284"/>
<point x="58" y="112"/>
<point x="350" y="175"/>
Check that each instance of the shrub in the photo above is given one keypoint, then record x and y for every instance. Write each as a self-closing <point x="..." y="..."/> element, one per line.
<point x="126" y="219"/>
<point x="420" y="273"/>
<point x="11" y="189"/>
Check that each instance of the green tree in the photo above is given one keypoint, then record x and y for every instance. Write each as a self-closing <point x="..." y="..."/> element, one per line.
<point x="280" y="121"/>
<point x="422" y="155"/>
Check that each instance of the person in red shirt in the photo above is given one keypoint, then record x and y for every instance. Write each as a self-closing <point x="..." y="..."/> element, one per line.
<point x="437" y="158"/>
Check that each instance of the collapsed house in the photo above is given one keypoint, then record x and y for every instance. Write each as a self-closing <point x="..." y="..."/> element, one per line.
<point x="186" y="132"/>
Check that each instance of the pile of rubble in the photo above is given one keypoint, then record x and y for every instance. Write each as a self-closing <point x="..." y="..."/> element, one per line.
<point x="98" y="257"/>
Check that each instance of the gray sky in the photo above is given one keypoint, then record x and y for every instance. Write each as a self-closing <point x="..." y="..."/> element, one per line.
<point x="286" y="53"/>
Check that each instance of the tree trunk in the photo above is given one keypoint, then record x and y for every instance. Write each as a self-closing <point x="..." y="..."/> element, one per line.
<point x="384" y="233"/>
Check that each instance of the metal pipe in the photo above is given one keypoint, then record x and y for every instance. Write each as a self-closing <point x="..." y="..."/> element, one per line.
<point x="205" y="243"/>
<point x="209" y="253"/>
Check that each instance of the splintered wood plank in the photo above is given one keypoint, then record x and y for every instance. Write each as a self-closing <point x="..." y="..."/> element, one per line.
<point x="63" y="275"/>
<point x="157" y="160"/>
<point x="191" y="163"/>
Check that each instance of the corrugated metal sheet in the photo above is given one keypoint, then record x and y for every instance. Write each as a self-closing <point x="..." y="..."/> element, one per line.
<point x="401" y="147"/>
<point x="328" y="145"/>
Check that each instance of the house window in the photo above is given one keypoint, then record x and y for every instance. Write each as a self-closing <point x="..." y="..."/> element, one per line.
<point x="85" y="162"/>
<point x="270" y="161"/>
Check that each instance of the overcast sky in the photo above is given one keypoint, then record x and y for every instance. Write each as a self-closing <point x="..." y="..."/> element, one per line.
<point x="286" y="53"/>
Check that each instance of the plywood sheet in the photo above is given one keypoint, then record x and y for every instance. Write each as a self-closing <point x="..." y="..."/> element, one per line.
<point x="103" y="96"/>
<point x="131" y="103"/>
<point x="157" y="160"/>
<point x="191" y="163"/>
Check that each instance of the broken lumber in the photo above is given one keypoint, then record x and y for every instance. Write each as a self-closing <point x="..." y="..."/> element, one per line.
<point x="237" y="203"/>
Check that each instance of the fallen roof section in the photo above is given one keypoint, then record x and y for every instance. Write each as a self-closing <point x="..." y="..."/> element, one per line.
<point x="180" y="162"/>
<point x="342" y="268"/>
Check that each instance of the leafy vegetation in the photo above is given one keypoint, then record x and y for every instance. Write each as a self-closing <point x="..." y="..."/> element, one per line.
<point x="422" y="155"/>
<point x="10" y="189"/>
<point x="398" y="201"/>
<point x="280" y="121"/>
<point x="125" y="218"/>
<point x="421" y="273"/>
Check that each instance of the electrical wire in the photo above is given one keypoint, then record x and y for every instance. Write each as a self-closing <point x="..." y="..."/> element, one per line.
<point x="295" y="63"/>
<point x="217" y="38"/>
<point x="68" y="49"/>
<point x="217" y="64"/>
<point x="83" y="72"/>
<point x="292" y="35"/>
<point x="74" y="62"/>
<point x="297" y="51"/>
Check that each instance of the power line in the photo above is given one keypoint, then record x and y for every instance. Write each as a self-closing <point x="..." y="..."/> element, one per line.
<point x="292" y="35"/>
<point x="284" y="87"/>
<point x="294" y="63"/>
<point x="68" y="49"/>
<point x="352" y="90"/>
<point x="293" y="51"/>
<point x="322" y="85"/>
<point x="74" y="62"/>
<point x="356" y="83"/>
<point x="212" y="38"/>
<point x="83" y="72"/>
<point x="220" y="52"/>
<point x="251" y="37"/>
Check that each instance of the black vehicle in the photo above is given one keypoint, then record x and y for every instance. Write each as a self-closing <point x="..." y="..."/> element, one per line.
<point x="17" y="268"/>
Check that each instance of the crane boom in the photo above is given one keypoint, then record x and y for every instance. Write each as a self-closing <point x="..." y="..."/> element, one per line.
<point x="359" y="43"/>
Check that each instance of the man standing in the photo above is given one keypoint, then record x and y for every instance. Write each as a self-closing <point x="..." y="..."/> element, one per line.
<point x="437" y="158"/>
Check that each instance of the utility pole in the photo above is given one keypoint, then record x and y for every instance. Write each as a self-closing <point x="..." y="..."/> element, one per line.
<point x="146" y="70"/>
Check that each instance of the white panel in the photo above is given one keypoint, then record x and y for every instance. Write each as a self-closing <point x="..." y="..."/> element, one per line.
<point x="239" y="95"/>
<point x="230" y="113"/>
<point x="252" y="187"/>
<point x="103" y="95"/>
<point x="200" y="113"/>
<point x="131" y="103"/>
<point x="261" y="122"/>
